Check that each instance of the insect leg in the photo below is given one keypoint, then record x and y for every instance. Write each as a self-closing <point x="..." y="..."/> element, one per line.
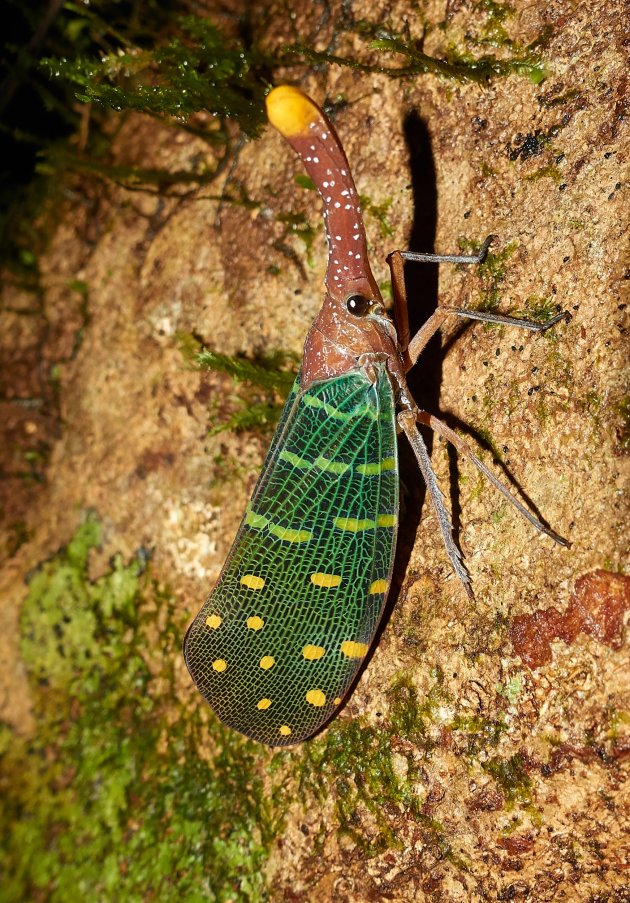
<point x="423" y="335"/>
<point x="479" y="257"/>
<point x="464" y="449"/>
<point x="413" y="347"/>
<point x="407" y="421"/>
<point x="401" y="313"/>
<point x="485" y="317"/>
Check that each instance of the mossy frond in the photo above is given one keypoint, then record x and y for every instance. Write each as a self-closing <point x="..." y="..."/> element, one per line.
<point x="257" y="416"/>
<point x="460" y="65"/>
<point x="200" y="69"/>
<point x="264" y="372"/>
<point x="264" y="388"/>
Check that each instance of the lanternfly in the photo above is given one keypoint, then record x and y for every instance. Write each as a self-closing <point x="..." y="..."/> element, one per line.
<point x="277" y="645"/>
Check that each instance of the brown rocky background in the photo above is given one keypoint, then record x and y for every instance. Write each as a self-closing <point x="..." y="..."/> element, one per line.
<point x="123" y="430"/>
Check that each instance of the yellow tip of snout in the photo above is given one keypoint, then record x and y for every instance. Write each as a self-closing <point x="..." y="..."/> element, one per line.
<point x="291" y="111"/>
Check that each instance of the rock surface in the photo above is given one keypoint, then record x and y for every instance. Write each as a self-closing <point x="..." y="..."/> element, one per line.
<point x="518" y="770"/>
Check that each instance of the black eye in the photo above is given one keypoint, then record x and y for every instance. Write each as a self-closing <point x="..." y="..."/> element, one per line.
<point x="358" y="305"/>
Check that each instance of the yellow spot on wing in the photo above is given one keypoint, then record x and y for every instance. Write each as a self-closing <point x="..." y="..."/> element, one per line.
<point x="288" y="535"/>
<point x="373" y="468"/>
<point x="213" y="621"/>
<point x="219" y="665"/>
<point x="251" y="581"/>
<point x="257" y="521"/>
<point x="312" y="653"/>
<point x="316" y="697"/>
<point x="266" y="662"/>
<point x="255" y="623"/>
<point x="321" y="462"/>
<point x="352" y="525"/>
<point x="354" y="650"/>
<point x="285" y="730"/>
<point x="386" y="520"/>
<point x="312" y="401"/>
<point x="290" y="111"/>
<point x="326" y="464"/>
<point x="292" y="458"/>
<point x="337" y="700"/>
<point x="263" y="704"/>
<point x="378" y="586"/>
<point x="327" y="580"/>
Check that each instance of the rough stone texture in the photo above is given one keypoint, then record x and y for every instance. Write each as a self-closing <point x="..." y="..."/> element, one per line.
<point x="126" y="434"/>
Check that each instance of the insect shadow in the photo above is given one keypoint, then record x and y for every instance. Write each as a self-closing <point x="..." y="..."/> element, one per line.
<point x="424" y="380"/>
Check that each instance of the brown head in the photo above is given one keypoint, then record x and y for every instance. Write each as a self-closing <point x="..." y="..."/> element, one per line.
<point x="352" y="320"/>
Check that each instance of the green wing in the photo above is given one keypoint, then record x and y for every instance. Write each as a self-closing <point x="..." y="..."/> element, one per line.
<point x="282" y="636"/>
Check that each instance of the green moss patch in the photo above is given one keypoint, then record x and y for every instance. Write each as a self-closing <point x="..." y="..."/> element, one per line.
<point x="110" y="799"/>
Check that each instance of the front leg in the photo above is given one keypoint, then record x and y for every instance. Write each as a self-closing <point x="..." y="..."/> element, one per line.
<point x="412" y="348"/>
<point x="401" y="310"/>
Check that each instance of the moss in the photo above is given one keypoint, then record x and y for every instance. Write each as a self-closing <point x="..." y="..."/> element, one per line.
<point x="545" y="172"/>
<point x="17" y="534"/>
<point x="379" y="213"/>
<point x="375" y="772"/>
<point x="110" y="799"/>
<point x="248" y="416"/>
<point x="143" y="57"/>
<point x="304" y="181"/>
<point x="540" y="309"/>
<point x="480" y="733"/>
<point x="297" y="224"/>
<point x="618" y="720"/>
<point x="491" y="273"/>
<point x="264" y="372"/>
<point x="497" y="516"/>
<point x="408" y="716"/>
<point x="512" y="689"/>
<point x="559" y="100"/>
<point x="591" y="404"/>
<point x="622" y="409"/>
<point x="355" y="761"/>
<point x="35" y="461"/>
<point x="199" y="68"/>
<point x="141" y="178"/>
<point x="484" y="437"/>
<point x="189" y="346"/>
<point x="493" y="29"/>
<point x="265" y="388"/>
<point x="511" y="777"/>
<point x="459" y="64"/>
<point x="385" y="288"/>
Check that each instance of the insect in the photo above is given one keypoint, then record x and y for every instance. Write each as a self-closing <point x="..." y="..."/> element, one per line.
<point x="279" y="642"/>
